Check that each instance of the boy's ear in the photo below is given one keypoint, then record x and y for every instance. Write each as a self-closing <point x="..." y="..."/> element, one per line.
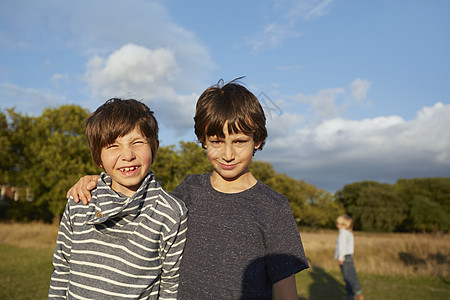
<point x="156" y="151"/>
<point x="156" y="148"/>
<point x="257" y="145"/>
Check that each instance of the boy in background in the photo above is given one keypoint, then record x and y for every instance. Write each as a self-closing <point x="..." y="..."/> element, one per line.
<point x="344" y="254"/>
<point x="128" y="242"/>
<point x="243" y="242"/>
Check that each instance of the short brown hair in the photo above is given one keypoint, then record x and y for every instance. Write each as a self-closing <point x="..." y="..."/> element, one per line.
<point x="232" y="103"/>
<point x="116" y="118"/>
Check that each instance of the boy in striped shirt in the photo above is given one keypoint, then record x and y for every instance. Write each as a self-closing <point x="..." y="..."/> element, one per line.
<point x="128" y="242"/>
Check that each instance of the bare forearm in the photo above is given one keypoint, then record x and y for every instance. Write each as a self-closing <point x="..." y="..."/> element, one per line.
<point x="285" y="289"/>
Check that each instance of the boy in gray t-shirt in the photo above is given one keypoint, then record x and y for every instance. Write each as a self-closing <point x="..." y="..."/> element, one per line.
<point x="242" y="242"/>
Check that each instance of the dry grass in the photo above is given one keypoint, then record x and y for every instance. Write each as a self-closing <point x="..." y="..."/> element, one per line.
<point x="375" y="253"/>
<point x="28" y="235"/>
<point x="384" y="254"/>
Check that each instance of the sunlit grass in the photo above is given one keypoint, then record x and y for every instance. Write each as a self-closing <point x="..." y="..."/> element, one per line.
<point x="28" y="235"/>
<point x="389" y="266"/>
<point x="384" y="254"/>
<point x="24" y="272"/>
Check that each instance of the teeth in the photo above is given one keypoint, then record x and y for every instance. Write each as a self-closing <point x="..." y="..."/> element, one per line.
<point x="128" y="169"/>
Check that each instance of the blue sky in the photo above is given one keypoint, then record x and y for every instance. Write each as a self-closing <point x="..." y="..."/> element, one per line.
<point x="353" y="90"/>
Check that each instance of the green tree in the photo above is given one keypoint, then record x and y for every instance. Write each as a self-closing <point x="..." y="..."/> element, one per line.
<point x="321" y="210"/>
<point x="428" y="201"/>
<point x="310" y="206"/>
<point x="373" y="206"/>
<point x="349" y="195"/>
<point x="293" y="190"/>
<point x="380" y="208"/>
<point x="426" y="215"/>
<point x="7" y="161"/>
<point x="56" y="155"/>
<point x="18" y="135"/>
<point x="173" y="164"/>
<point x="165" y="167"/>
<point x="47" y="154"/>
<point x="264" y="171"/>
<point x="14" y="135"/>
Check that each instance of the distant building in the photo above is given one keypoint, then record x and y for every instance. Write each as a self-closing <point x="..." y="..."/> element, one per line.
<point x="12" y="193"/>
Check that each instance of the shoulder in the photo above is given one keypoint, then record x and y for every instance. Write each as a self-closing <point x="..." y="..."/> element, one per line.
<point x="190" y="184"/>
<point x="194" y="179"/>
<point x="78" y="213"/>
<point x="170" y="203"/>
<point x="266" y="194"/>
<point x="345" y="233"/>
<point x="155" y="199"/>
<point x="78" y="208"/>
<point x="267" y="205"/>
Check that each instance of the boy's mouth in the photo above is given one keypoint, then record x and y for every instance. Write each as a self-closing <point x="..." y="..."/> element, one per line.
<point x="128" y="169"/>
<point x="227" y="167"/>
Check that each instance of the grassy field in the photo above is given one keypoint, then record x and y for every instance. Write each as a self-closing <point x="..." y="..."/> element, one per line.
<point x="389" y="266"/>
<point x="26" y="260"/>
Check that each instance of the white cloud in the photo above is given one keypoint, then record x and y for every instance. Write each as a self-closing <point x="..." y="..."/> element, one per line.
<point x="323" y="104"/>
<point x="147" y="24"/>
<point x="283" y="124"/>
<point x="57" y="78"/>
<point x="359" y="88"/>
<point x="283" y="25"/>
<point x="338" y="151"/>
<point x="100" y="28"/>
<point x="272" y="36"/>
<point x="308" y="9"/>
<point x="146" y="74"/>
<point x="333" y="102"/>
<point x="29" y="100"/>
<point x="131" y="48"/>
<point x="132" y="68"/>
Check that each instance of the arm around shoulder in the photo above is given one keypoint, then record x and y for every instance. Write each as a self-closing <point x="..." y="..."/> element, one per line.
<point x="82" y="189"/>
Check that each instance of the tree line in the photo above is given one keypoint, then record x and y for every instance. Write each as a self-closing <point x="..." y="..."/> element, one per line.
<point x="43" y="156"/>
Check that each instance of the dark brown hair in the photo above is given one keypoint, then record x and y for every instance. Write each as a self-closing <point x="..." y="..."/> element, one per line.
<point x="232" y="103"/>
<point x="116" y="118"/>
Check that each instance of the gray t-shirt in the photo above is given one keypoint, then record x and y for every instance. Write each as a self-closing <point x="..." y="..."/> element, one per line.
<point x="237" y="245"/>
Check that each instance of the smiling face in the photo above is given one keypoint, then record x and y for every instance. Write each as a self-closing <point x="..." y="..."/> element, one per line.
<point x="230" y="156"/>
<point x="127" y="160"/>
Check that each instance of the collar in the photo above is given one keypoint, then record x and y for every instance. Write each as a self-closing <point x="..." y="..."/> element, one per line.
<point x="108" y="203"/>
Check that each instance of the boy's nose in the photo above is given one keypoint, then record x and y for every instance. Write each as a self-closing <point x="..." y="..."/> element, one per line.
<point x="228" y="153"/>
<point x="128" y="155"/>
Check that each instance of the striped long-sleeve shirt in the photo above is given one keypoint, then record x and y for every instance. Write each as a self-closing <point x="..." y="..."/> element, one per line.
<point x="119" y="247"/>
